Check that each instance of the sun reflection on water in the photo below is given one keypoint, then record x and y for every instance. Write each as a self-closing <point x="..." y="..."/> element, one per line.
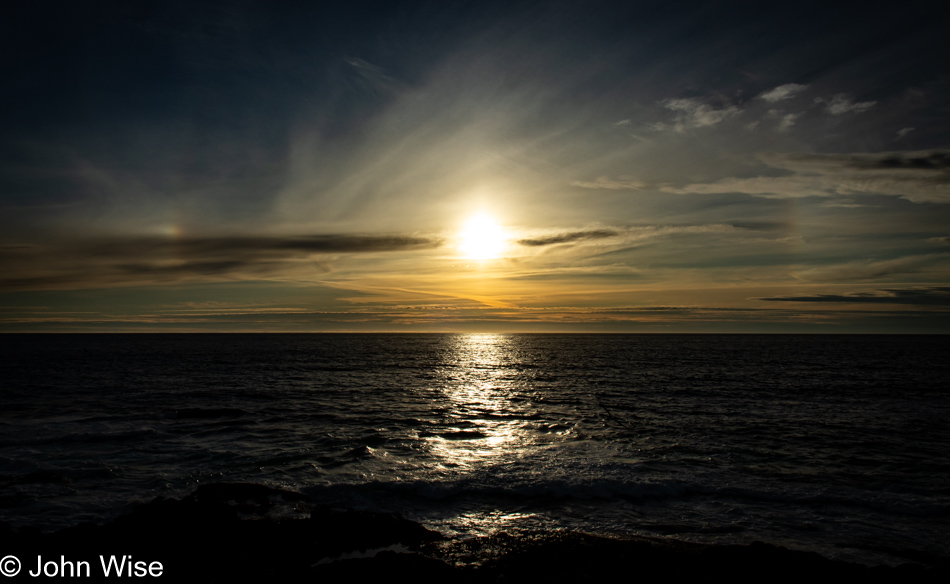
<point x="483" y="419"/>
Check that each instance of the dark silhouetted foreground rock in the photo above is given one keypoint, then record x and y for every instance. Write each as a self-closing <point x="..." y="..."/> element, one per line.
<point x="229" y="532"/>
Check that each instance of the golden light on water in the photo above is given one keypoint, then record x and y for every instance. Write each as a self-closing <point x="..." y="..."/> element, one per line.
<point x="484" y="422"/>
<point x="488" y="421"/>
<point x="482" y="238"/>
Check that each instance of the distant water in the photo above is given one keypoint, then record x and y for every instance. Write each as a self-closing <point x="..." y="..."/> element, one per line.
<point x="835" y="444"/>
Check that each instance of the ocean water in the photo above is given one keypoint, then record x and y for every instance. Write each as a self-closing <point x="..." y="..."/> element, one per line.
<point x="834" y="444"/>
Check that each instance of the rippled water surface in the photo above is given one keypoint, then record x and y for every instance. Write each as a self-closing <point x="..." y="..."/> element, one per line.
<point x="836" y="444"/>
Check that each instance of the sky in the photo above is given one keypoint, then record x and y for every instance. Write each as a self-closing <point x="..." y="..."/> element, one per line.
<point x="475" y="167"/>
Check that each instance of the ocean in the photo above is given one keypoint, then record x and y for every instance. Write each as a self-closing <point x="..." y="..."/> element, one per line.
<point x="830" y="443"/>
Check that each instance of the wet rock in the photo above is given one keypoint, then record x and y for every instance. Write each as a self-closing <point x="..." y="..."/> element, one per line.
<point x="207" y="537"/>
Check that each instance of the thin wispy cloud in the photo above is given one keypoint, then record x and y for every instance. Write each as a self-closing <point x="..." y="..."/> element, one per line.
<point x="920" y="177"/>
<point x="843" y="103"/>
<point x="787" y="121"/>
<point x="694" y="113"/>
<point x="606" y="183"/>
<point x="875" y="270"/>
<point x="370" y="77"/>
<point x="933" y="296"/>
<point x="783" y="92"/>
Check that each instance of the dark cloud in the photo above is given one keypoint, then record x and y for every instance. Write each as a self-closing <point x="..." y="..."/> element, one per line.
<point x="259" y="246"/>
<point x="568" y="237"/>
<point x="130" y="261"/>
<point x="934" y="296"/>
<point x="934" y="160"/>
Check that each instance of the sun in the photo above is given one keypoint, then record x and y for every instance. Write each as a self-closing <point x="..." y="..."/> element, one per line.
<point x="482" y="238"/>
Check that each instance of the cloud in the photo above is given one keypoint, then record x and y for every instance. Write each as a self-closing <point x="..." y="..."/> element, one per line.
<point x="843" y="204"/>
<point x="637" y="234"/>
<point x="920" y="177"/>
<point x="606" y="183"/>
<point x="904" y="131"/>
<point x="369" y="76"/>
<point x="925" y="160"/>
<point x="568" y="237"/>
<point x="768" y="187"/>
<point x="783" y="92"/>
<point x="136" y="260"/>
<point x="186" y="268"/>
<point x="787" y="121"/>
<point x="869" y="270"/>
<point x="933" y="296"/>
<point x="842" y="104"/>
<point x="694" y="113"/>
<point x="229" y="246"/>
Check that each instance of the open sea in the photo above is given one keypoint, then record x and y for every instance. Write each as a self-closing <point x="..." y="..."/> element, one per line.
<point x="834" y="444"/>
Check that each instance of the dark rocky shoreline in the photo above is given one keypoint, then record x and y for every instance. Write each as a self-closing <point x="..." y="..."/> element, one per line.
<point x="226" y="532"/>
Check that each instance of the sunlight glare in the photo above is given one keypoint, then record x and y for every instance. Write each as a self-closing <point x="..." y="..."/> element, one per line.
<point x="482" y="238"/>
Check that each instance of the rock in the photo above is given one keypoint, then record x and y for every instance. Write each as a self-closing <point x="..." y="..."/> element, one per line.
<point x="204" y="537"/>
